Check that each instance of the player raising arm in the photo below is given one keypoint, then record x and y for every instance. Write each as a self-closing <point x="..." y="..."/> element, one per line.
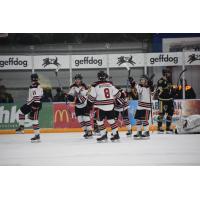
<point x="142" y="91"/>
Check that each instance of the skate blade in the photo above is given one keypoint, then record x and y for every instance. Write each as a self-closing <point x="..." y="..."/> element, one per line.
<point x="169" y="133"/>
<point x="102" y="141"/>
<point x="116" y="140"/>
<point x="128" y="136"/>
<point x="19" y="132"/>
<point x="97" y="134"/>
<point x="89" y="137"/>
<point x="158" y="132"/>
<point x="35" y="141"/>
<point x="137" y="138"/>
<point x="141" y="138"/>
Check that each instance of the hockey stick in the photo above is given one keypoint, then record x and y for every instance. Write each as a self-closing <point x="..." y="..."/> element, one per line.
<point x="151" y="111"/>
<point x="127" y="83"/>
<point x="56" y="73"/>
<point x="151" y="78"/>
<point x="179" y="78"/>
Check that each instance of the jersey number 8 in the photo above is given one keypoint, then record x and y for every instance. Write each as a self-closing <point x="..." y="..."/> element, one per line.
<point x="107" y="93"/>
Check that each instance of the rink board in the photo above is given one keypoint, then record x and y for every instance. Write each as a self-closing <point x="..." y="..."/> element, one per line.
<point x="60" y="117"/>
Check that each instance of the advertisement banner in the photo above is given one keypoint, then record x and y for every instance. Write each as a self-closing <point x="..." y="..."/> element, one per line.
<point x="15" y="62"/>
<point x="51" y="62"/>
<point x="126" y="60"/>
<point x="192" y="58"/>
<point x="89" y="61"/>
<point x="60" y="115"/>
<point x="181" y="107"/>
<point x="164" y="59"/>
<point x="9" y="116"/>
<point x="64" y="116"/>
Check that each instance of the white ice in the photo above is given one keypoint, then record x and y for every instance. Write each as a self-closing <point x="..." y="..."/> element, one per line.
<point x="72" y="149"/>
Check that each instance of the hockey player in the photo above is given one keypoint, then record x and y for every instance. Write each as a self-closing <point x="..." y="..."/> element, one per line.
<point x="32" y="107"/>
<point x="102" y="96"/>
<point x="78" y="94"/>
<point x="142" y="91"/>
<point x="166" y="94"/>
<point x="121" y="107"/>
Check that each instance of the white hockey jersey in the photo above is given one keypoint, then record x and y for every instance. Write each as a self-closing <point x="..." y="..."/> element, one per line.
<point x="80" y="94"/>
<point x="102" y="95"/>
<point x="35" y="94"/>
<point x="143" y="97"/>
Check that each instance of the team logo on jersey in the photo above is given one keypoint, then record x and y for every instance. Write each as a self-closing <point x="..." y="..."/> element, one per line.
<point x="193" y="58"/>
<point x="50" y="61"/>
<point x="124" y="59"/>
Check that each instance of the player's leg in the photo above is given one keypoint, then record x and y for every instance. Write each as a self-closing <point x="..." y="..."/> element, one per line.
<point x="24" y="110"/>
<point x="80" y="120"/>
<point x="96" y="127"/>
<point x="160" y="116"/>
<point x="102" y="130"/>
<point x="113" y="124"/>
<point x="127" y="122"/>
<point x="101" y="125"/>
<point x="170" y="112"/>
<point x="34" y="116"/>
<point x="138" y="117"/>
<point x="88" y="126"/>
<point x="145" y="124"/>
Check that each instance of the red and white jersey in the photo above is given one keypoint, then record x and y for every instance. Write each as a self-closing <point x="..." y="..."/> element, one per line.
<point x="121" y="103"/>
<point x="143" y="97"/>
<point x="35" y="94"/>
<point x="79" y="92"/>
<point x="102" y="95"/>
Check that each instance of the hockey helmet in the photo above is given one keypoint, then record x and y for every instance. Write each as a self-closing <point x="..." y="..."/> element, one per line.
<point x="102" y="76"/>
<point x="78" y="76"/>
<point x="34" y="77"/>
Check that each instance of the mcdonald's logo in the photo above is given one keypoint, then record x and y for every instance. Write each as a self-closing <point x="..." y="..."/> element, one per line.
<point x="59" y="116"/>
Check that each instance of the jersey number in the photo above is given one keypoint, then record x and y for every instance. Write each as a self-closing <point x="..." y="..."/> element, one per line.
<point x="34" y="92"/>
<point x="107" y="93"/>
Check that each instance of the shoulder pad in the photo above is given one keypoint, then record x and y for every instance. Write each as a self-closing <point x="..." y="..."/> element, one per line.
<point x="95" y="84"/>
<point x="73" y="85"/>
<point x="84" y="85"/>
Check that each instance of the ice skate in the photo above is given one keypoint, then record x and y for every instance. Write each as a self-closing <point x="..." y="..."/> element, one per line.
<point x="138" y="135"/>
<point x="97" y="134"/>
<point x="20" y="130"/>
<point x="146" y="134"/>
<point x="169" y="131"/>
<point x="115" y="137"/>
<point x="102" y="138"/>
<point x="160" y="130"/>
<point x="96" y="131"/>
<point x="36" y="138"/>
<point x="129" y="133"/>
<point x="88" y="134"/>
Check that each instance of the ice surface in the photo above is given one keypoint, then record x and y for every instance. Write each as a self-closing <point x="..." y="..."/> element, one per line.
<point x="72" y="149"/>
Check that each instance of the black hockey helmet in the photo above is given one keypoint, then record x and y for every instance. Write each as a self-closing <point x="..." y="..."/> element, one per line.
<point x="78" y="76"/>
<point x="34" y="77"/>
<point x="102" y="76"/>
<point x="165" y="71"/>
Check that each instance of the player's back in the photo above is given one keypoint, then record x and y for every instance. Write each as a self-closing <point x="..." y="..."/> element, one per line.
<point x="104" y="94"/>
